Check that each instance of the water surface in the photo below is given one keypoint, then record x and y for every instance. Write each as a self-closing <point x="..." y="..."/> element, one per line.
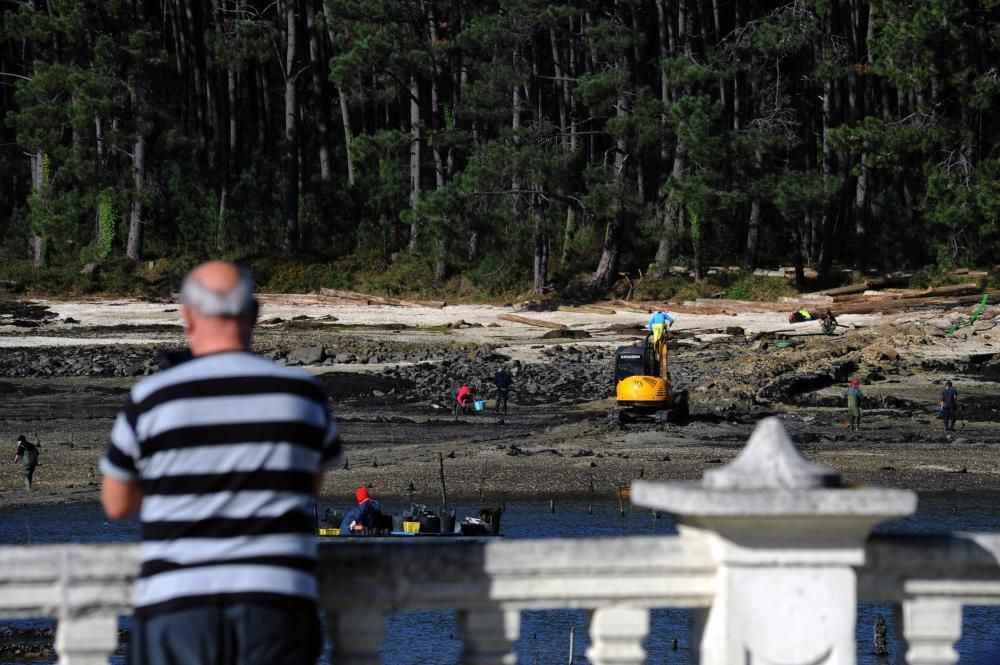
<point x="430" y="637"/>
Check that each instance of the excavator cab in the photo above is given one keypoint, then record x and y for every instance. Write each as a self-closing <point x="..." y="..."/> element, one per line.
<point x="642" y="384"/>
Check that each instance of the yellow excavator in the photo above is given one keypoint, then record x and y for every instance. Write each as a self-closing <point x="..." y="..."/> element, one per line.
<point x="642" y="384"/>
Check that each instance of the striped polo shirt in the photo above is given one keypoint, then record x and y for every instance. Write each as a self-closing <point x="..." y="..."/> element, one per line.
<point x="226" y="448"/>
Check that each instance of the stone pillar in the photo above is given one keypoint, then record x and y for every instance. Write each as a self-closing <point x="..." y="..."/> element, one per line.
<point x="786" y="537"/>
<point x="931" y="627"/>
<point x="616" y="636"/>
<point x="488" y="634"/>
<point x="357" y="636"/>
<point x="86" y="640"/>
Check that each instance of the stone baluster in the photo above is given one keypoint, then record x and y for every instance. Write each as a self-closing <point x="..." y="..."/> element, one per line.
<point x="357" y="636"/>
<point x="931" y="627"/>
<point x="488" y="634"/>
<point x="616" y="635"/>
<point x="86" y="640"/>
<point x="787" y="537"/>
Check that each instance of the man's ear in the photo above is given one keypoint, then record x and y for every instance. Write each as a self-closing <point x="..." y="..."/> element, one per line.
<point x="188" y="319"/>
<point x="254" y="312"/>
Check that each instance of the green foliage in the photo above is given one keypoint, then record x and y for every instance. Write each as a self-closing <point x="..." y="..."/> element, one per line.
<point x="52" y="280"/>
<point x="747" y="286"/>
<point x="604" y="108"/>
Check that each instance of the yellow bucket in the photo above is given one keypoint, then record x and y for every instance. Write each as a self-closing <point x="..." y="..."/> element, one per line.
<point x="411" y="527"/>
<point x="328" y="532"/>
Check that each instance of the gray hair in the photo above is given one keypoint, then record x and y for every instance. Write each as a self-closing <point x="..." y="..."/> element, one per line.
<point x="236" y="302"/>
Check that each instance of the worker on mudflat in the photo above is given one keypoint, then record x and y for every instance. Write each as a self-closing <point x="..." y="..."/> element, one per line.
<point x="363" y="516"/>
<point x="502" y="380"/>
<point x="27" y="455"/>
<point x="949" y="406"/>
<point x="829" y="323"/>
<point x="854" y="397"/>
<point x="462" y="398"/>
<point x="801" y="315"/>
<point x="658" y="323"/>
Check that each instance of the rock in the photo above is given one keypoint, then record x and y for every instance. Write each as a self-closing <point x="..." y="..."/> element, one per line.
<point x="566" y="334"/>
<point x="306" y="355"/>
<point x="882" y="353"/>
<point x="735" y="331"/>
<point x="91" y="269"/>
<point x="70" y="319"/>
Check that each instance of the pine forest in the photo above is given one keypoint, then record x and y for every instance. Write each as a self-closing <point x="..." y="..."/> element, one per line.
<point x="501" y="144"/>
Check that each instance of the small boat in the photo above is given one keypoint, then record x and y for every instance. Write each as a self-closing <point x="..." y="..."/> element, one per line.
<point x="419" y="521"/>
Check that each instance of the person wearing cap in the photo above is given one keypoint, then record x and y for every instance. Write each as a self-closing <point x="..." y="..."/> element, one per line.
<point x="854" y="397"/>
<point x="363" y="516"/>
<point x="658" y="323"/>
<point x="222" y="457"/>
<point x="27" y="455"/>
<point x="949" y="406"/>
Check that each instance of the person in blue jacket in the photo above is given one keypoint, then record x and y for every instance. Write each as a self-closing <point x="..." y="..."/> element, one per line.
<point x="363" y="516"/>
<point x="658" y="323"/>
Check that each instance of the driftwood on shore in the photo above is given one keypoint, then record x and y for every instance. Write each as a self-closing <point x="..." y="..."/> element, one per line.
<point x="369" y="299"/>
<point x="514" y="318"/>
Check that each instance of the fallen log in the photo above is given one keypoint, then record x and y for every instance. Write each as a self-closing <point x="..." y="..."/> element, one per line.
<point x="586" y="309"/>
<point x="514" y="318"/>
<point x="875" y="283"/>
<point x="632" y="306"/>
<point x="956" y="290"/>
<point x="917" y="303"/>
<point x="378" y="300"/>
<point x="301" y="299"/>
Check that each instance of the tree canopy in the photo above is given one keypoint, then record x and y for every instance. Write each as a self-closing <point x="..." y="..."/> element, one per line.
<point x="510" y="141"/>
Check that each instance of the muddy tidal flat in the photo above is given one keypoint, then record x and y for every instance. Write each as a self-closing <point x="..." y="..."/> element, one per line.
<point x="66" y="368"/>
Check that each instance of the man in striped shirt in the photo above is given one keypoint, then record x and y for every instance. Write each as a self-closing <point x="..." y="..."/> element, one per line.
<point x="222" y="457"/>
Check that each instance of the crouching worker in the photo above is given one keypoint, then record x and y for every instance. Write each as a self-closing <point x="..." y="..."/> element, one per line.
<point x="363" y="516"/>
<point x="463" y="399"/>
<point x="222" y="456"/>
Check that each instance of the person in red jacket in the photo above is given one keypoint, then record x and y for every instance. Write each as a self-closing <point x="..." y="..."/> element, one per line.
<point x="463" y="399"/>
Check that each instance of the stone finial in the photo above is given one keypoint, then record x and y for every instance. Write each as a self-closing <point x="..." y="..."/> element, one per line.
<point x="770" y="460"/>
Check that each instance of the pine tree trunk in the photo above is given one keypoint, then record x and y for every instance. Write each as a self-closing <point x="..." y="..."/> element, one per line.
<point x="291" y="131"/>
<point x="414" y="157"/>
<point x="134" y="242"/>
<point x="541" y="241"/>
<point x="37" y="242"/>
<point x="672" y="214"/>
<point x="826" y="226"/>
<point x="607" y="266"/>
<point x="345" y="111"/>
<point x="321" y="104"/>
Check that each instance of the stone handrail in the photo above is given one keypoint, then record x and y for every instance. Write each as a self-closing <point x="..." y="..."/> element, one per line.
<point x="86" y="587"/>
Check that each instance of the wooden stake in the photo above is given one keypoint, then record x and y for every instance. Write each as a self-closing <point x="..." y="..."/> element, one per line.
<point x="444" y="489"/>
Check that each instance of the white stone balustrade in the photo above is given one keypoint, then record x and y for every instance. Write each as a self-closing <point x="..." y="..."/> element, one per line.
<point x="745" y="560"/>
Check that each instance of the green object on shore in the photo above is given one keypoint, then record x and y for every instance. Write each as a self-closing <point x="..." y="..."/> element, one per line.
<point x="972" y="319"/>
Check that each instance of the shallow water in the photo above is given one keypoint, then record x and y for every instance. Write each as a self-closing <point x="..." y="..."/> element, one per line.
<point x="431" y="637"/>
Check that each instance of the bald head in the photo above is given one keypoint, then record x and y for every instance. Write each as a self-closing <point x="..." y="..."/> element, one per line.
<point x="219" y="308"/>
<point x="218" y="288"/>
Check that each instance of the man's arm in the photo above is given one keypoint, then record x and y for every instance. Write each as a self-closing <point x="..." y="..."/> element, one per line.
<point x="120" y="499"/>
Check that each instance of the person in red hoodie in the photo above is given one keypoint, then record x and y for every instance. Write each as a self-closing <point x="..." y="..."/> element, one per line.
<point x="363" y="516"/>
<point x="463" y="398"/>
